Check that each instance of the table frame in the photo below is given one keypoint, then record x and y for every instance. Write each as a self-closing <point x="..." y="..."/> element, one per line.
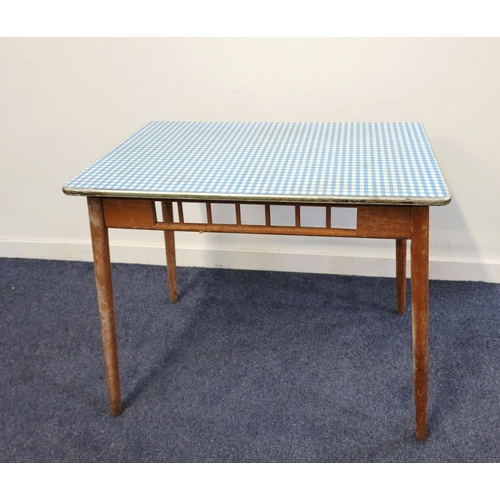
<point x="398" y="222"/>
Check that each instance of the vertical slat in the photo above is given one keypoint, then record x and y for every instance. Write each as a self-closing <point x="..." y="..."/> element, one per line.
<point x="420" y="313"/>
<point x="401" y="275"/>
<point x="168" y="216"/>
<point x="181" y="212"/>
<point x="104" y="285"/>
<point x="209" y="213"/>
<point x="267" y="208"/>
<point x="297" y="215"/>
<point x="237" y="207"/>
<point x="328" y="217"/>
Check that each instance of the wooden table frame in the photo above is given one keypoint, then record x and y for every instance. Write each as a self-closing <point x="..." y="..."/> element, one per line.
<point x="399" y="222"/>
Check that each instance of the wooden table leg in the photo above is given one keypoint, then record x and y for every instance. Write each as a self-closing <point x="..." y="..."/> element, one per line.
<point x="104" y="284"/>
<point x="168" y="216"/>
<point x="420" y="313"/>
<point x="401" y="275"/>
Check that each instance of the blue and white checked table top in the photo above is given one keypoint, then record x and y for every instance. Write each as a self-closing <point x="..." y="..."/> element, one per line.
<point x="374" y="162"/>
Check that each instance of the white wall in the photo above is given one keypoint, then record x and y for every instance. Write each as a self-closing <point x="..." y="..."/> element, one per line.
<point x="66" y="102"/>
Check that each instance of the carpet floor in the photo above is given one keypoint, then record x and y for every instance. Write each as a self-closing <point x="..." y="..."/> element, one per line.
<point x="248" y="366"/>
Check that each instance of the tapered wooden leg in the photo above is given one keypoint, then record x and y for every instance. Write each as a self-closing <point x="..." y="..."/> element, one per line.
<point x="168" y="216"/>
<point x="401" y="275"/>
<point x="420" y="313"/>
<point x="104" y="284"/>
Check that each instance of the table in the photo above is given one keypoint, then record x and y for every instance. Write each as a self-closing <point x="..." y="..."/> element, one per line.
<point x="386" y="170"/>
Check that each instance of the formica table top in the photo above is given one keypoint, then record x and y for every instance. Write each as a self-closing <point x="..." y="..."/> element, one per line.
<point x="324" y="162"/>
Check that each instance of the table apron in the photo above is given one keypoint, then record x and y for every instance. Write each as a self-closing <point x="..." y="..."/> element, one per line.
<point x="373" y="221"/>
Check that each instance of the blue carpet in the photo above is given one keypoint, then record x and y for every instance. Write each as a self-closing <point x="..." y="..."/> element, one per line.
<point x="247" y="367"/>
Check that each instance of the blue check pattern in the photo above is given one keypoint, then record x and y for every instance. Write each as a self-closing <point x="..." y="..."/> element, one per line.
<point x="371" y="162"/>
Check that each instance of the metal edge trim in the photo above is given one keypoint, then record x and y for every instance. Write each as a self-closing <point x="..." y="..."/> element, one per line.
<point x="381" y="200"/>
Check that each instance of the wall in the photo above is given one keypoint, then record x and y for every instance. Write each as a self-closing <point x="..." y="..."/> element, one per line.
<point x="66" y="102"/>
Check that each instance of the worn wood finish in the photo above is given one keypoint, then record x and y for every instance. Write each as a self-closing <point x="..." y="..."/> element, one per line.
<point x="420" y="313"/>
<point x="254" y="229"/>
<point x="209" y="213"/>
<point x="168" y="216"/>
<point x="297" y="215"/>
<point x="384" y="221"/>
<point x="267" y="211"/>
<point x="401" y="275"/>
<point x="104" y="284"/>
<point x="373" y="221"/>
<point x="129" y="213"/>
<point x="180" y="211"/>
<point x="238" y="214"/>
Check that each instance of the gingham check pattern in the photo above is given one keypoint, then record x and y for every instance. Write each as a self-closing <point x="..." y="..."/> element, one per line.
<point x="245" y="160"/>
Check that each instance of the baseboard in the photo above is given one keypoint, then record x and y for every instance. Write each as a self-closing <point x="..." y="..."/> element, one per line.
<point x="253" y="259"/>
